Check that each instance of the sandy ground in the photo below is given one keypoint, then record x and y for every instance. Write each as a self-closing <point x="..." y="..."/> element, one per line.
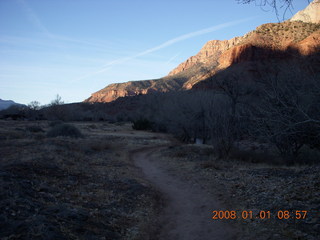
<point x="188" y="214"/>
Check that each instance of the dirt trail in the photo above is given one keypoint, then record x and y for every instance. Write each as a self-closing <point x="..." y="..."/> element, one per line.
<point x="188" y="214"/>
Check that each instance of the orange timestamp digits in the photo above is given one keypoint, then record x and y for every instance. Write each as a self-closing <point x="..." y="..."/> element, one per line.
<point x="262" y="214"/>
<point x="224" y="215"/>
<point x="297" y="214"/>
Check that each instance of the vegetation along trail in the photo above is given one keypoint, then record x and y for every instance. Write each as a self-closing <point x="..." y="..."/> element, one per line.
<point x="187" y="214"/>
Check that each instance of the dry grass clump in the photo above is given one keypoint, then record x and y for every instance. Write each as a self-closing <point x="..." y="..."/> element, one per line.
<point x="92" y="126"/>
<point x="100" y="146"/>
<point x="216" y="165"/>
<point x="34" y="129"/>
<point x="55" y="123"/>
<point x="6" y="134"/>
<point x="252" y="156"/>
<point x="67" y="188"/>
<point x="66" y="130"/>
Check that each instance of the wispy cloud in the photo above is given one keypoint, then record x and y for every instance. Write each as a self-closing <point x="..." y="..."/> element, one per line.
<point x="36" y="22"/>
<point x="34" y="18"/>
<point x="166" y="44"/>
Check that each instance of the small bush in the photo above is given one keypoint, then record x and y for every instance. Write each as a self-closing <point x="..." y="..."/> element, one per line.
<point x="66" y="130"/>
<point x="142" y="124"/>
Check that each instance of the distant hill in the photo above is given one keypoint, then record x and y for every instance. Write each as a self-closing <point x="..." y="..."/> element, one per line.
<point x="4" y="104"/>
<point x="297" y="37"/>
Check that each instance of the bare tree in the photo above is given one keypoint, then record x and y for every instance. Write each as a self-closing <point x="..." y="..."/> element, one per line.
<point x="33" y="110"/>
<point x="55" y="110"/>
<point x="34" y="105"/>
<point x="182" y="113"/>
<point x="223" y="125"/>
<point x="279" y="6"/>
<point x="56" y="101"/>
<point x="178" y="111"/>
<point x="288" y="113"/>
<point x="235" y="87"/>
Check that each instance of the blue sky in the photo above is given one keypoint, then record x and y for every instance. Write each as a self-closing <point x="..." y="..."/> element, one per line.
<point x="76" y="47"/>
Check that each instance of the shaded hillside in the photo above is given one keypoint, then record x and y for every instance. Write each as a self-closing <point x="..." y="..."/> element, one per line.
<point x="4" y="104"/>
<point x="248" y="74"/>
<point x="253" y="62"/>
<point x="269" y="41"/>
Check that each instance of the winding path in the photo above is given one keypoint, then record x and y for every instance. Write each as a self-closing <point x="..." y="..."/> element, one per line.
<point x="188" y="214"/>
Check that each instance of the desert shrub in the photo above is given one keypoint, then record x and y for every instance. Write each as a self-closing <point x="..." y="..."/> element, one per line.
<point x="142" y="124"/>
<point x="34" y="129"/>
<point x="308" y="156"/>
<point x="253" y="156"/>
<point x="120" y="123"/>
<point x="159" y="127"/>
<point x="55" y="123"/>
<point x="14" y="112"/>
<point x="65" y="129"/>
<point x="11" y="134"/>
<point x="93" y="126"/>
<point x="99" y="146"/>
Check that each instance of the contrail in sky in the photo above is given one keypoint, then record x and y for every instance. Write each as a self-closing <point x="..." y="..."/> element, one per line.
<point x="37" y="22"/>
<point x="167" y="44"/>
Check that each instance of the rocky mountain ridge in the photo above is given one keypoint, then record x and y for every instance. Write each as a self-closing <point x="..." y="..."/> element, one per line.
<point x="284" y="40"/>
<point x="209" y="53"/>
<point x="310" y="14"/>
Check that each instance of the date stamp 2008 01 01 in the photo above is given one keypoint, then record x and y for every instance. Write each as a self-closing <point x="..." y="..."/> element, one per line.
<point x="262" y="214"/>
